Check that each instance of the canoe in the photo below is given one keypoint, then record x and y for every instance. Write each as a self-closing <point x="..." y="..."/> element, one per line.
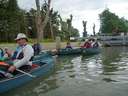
<point x="69" y="51"/>
<point x="90" y="51"/>
<point x="41" y="56"/>
<point x="44" y="65"/>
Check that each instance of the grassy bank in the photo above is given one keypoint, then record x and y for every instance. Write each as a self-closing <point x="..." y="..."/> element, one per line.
<point x="45" y="45"/>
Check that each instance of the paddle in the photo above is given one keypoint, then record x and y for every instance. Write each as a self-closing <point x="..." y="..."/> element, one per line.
<point x="25" y="73"/>
<point x="21" y="71"/>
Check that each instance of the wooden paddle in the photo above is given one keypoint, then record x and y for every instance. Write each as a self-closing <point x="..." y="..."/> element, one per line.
<point x="21" y="71"/>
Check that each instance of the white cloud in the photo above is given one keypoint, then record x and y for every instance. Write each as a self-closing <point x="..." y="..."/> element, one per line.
<point x="26" y="4"/>
<point x="88" y="10"/>
<point x="121" y="9"/>
<point x="91" y="16"/>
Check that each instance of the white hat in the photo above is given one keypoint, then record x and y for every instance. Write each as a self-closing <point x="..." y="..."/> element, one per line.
<point x="20" y="36"/>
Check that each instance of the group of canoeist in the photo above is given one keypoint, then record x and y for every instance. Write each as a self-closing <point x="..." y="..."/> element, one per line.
<point x="24" y="52"/>
<point x="89" y="43"/>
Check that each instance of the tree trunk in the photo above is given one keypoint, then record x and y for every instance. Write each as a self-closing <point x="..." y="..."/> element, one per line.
<point x="44" y="23"/>
<point x="40" y="24"/>
<point x="51" y="29"/>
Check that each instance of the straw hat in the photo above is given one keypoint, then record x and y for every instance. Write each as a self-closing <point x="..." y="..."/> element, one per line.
<point x="21" y="36"/>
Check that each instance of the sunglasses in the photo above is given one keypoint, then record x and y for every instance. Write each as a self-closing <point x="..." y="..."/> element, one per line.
<point x="18" y="39"/>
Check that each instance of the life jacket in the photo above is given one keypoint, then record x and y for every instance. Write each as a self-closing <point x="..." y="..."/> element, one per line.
<point x="18" y="53"/>
<point x="87" y="45"/>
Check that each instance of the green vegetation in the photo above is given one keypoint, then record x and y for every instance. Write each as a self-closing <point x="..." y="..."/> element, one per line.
<point x="11" y="20"/>
<point x="112" y="24"/>
<point x="14" y="20"/>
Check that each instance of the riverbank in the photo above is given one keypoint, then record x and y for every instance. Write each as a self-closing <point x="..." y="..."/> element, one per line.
<point x="45" y="45"/>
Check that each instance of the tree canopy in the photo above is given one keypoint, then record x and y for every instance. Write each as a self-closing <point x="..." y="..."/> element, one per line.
<point x="110" y="23"/>
<point x="11" y="20"/>
<point x="14" y="20"/>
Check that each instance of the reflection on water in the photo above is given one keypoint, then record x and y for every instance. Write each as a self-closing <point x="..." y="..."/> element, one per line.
<point x="78" y="76"/>
<point x="114" y="61"/>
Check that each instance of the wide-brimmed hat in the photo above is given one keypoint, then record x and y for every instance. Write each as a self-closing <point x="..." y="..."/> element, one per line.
<point x="21" y="36"/>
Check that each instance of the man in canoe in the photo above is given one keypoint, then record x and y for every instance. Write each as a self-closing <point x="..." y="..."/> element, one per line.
<point x="23" y="53"/>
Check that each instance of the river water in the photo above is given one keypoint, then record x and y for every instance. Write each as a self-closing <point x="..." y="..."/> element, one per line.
<point x="105" y="74"/>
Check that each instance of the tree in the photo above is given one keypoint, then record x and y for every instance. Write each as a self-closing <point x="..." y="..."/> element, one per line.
<point x="30" y="18"/>
<point x="52" y="28"/>
<point x="3" y="19"/>
<point x="75" y="32"/>
<point x="41" y="24"/>
<point x="67" y="30"/>
<point x="12" y="20"/>
<point x="111" y="23"/>
<point x="63" y="26"/>
<point x="94" y="32"/>
<point x="85" y="31"/>
<point x="69" y="24"/>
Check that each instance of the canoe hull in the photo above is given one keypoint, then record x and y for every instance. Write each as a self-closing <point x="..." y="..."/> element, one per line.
<point x="8" y="84"/>
<point x="69" y="51"/>
<point x="90" y="51"/>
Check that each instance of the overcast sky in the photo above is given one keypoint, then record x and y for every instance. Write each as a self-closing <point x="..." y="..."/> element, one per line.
<point x="86" y="10"/>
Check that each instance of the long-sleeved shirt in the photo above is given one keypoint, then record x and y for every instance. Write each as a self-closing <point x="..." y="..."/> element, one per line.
<point x="28" y="52"/>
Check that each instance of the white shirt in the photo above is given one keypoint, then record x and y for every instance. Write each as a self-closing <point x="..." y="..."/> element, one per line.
<point x="28" y="53"/>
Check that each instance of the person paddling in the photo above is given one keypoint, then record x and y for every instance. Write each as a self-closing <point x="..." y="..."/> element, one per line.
<point x="23" y="53"/>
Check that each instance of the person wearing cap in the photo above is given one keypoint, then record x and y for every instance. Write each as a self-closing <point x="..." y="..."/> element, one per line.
<point x="23" y="53"/>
